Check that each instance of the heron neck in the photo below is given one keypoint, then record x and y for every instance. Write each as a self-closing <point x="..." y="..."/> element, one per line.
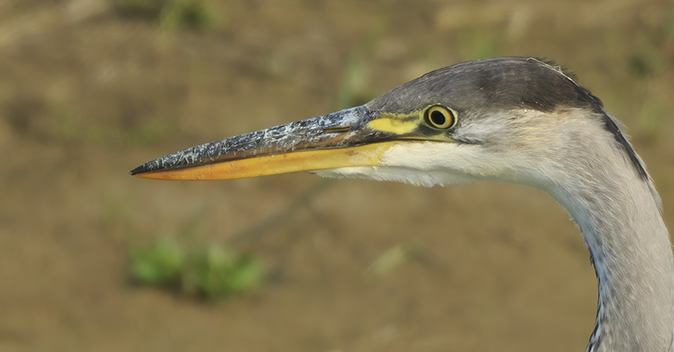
<point x="631" y="251"/>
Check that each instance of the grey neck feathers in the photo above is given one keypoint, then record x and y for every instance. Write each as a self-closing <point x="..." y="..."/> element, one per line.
<point x="618" y="213"/>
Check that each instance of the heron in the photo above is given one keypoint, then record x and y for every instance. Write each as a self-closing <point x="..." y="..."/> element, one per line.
<point x="515" y="120"/>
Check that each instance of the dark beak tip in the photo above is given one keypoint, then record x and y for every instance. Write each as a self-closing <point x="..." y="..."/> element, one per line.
<point x="139" y="170"/>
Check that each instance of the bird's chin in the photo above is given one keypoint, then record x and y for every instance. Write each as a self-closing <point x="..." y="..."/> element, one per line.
<point x="424" y="178"/>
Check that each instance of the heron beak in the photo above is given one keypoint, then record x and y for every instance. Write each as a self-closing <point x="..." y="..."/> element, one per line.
<point x="340" y="139"/>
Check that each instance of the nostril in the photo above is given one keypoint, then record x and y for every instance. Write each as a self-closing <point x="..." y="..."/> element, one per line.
<point x="338" y="129"/>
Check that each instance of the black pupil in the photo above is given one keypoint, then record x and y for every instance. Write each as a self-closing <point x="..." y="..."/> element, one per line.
<point x="438" y="118"/>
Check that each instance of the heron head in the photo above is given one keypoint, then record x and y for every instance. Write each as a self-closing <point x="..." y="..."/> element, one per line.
<point x="506" y="119"/>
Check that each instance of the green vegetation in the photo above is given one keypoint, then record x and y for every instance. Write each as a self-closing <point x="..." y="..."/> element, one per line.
<point x="204" y="270"/>
<point x="353" y="90"/>
<point x="171" y="14"/>
<point x="160" y="264"/>
<point x="391" y="259"/>
<point x="215" y="272"/>
<point x="176" y="13"/>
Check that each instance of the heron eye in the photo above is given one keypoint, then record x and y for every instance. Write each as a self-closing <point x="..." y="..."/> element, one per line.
<point x="440" y="117"/>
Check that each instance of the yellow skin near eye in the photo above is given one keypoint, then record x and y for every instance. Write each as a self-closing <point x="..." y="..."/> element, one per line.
<point x="402" y="124"/>
<point x="440" y="117"/>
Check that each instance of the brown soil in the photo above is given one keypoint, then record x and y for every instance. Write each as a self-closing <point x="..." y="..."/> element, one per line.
<point x="87" y="93"/>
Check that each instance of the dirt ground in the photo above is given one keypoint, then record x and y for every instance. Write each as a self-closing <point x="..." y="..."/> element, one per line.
<point x="88" y="92"/>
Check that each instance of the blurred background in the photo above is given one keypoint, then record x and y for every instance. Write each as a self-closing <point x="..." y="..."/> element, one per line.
<point x="92" y="259"/>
